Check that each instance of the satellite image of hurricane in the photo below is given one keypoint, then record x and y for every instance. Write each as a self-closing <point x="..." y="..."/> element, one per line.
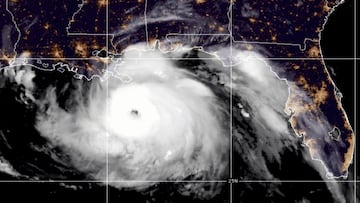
<point x="178" y="101"/>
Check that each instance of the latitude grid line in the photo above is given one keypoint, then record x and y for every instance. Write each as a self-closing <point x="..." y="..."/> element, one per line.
<point x="180" y="181"/>
<point x="210" y="58"/>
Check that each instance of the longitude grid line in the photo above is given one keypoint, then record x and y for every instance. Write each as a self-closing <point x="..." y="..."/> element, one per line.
<point x="107" y="97"/>
<point x="355" y="100"/>
<point x="231" y="96"/>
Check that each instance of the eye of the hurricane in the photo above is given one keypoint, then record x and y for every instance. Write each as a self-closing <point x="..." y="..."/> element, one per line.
<point x="132" y="113"/>
<point x="135" y="113"/>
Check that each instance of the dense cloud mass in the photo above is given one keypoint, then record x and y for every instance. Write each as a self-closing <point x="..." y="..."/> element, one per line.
<point x="162" y="125"/>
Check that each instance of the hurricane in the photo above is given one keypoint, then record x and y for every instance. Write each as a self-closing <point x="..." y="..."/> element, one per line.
<point x="162" y="124"/>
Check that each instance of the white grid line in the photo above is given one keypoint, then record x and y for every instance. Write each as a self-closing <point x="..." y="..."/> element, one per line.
<point x="107" y="103"/>
<point x="355" y="100"/>
<point x="114" y="181"/>
<point x="176" y="58"/>
<point x="180" y="181"/>
<point x="230" y="27"/>
<point x="235" y="180"/>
